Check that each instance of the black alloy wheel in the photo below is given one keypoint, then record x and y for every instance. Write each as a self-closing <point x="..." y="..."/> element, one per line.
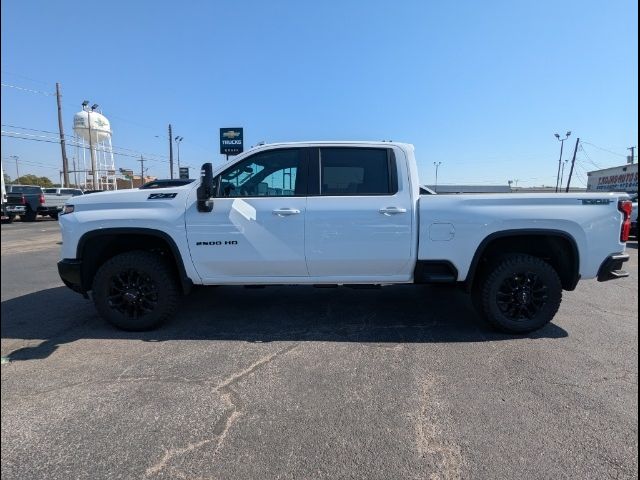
<point x="519" y="293"/>
<point x="132" y="293"/>
<point x="136" y="290"/>
<point x="522" y="295"/>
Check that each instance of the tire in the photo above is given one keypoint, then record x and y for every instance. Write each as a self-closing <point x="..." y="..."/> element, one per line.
<point x="54" y="215"/>
<point x="29" y="216"/>
<point x="10" y="218"/>
<point x="136" y="291"/>
<point x="520" y="293"/>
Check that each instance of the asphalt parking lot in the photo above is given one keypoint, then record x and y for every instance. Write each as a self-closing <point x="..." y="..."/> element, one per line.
<point x="297" y="382"/>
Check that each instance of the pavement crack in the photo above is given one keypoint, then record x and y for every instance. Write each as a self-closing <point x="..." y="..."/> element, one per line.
<point x="446" y="455"/>
<point x="171" y="454"/>
<point x="236" y="377"/>
<point x="232" y="412"/>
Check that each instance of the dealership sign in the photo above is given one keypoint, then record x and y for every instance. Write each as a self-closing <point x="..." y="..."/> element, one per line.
<point x="231" y="141"/>
<point x="615" y="179"/>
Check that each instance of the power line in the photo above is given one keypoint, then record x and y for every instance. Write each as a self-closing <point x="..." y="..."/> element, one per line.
<point x="23" y="136"/>
<point x="33" y="129"/>
<point x="25" y="77"/>
<point x="589" y="158"/>
<point x="605" y="149"/>
<point x="28" y="90"/>
<point x="49" y="140"/>
<point x="67" y="104"/>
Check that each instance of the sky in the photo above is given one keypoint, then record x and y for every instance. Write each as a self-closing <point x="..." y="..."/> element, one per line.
<point x="479" y="86"/>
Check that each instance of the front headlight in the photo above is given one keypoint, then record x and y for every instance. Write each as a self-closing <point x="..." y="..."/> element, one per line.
<point x="68" y="209"/>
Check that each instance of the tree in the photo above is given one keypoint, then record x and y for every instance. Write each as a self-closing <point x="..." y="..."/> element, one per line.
<point x="31" y="179"/>
<point x="7" y="179"/>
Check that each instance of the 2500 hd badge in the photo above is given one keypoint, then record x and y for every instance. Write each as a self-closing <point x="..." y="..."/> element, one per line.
<point x="218" y="242"/>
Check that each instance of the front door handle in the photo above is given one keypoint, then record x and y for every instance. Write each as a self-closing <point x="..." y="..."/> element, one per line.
<point x="283" y="212"/>
<point x="392" y="210"/>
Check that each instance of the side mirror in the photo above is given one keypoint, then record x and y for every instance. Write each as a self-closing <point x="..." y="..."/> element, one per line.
<point x="205" y="190"/>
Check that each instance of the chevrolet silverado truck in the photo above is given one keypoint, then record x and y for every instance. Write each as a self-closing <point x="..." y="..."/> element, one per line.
<point x="336" y="213"/>
<point x="55" y="198"/>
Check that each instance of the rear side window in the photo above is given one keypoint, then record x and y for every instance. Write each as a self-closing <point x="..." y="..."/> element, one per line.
<point x="357" y="171"/>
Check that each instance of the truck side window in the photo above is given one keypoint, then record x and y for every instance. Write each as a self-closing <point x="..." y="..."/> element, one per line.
<point x="356" y="171"/>
<point x="273" y="173"/>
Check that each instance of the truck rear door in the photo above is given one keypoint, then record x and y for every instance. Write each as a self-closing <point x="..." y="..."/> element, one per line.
<point x="359" y="213"/>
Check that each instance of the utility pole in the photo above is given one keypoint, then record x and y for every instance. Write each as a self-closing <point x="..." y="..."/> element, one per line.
<point x="141" y="170"/>
<point x="633" y="149"/>
<point x="170" y="152"/>
<point x="561" y="140"/>
<point x="437" y="164"/>
<point x="65" y="162"/>
<point x="573" y="162"/>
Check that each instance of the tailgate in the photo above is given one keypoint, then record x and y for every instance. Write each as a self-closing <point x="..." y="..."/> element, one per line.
<point x="15" y="199"/>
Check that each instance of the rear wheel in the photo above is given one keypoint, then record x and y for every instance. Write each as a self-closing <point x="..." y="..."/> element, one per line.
<point x="29" y="216"/>
<point x="520" y="293"/>
<point x="54" y="215"/>
<point x="136" y="291"/>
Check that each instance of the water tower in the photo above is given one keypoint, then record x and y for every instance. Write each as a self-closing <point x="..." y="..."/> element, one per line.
<point x="94" y="150"/>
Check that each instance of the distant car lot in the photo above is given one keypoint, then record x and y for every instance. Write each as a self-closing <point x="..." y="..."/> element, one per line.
<point x="296" y="382"/>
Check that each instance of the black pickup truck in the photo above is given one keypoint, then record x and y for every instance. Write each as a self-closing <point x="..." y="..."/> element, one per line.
<point x="23" y="200"/>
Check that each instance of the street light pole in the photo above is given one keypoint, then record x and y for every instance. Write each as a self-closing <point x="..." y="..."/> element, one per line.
<point x="178" y="139"/>
<point x="437" y="165"/>
<point x="561" y="140"/>
<point x="15" y="157"/>
<point x="94" y="173"/>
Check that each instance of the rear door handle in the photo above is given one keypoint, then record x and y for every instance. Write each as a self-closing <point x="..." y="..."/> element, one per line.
<point x="283" y="212"/>
<point x="392" y="210"/>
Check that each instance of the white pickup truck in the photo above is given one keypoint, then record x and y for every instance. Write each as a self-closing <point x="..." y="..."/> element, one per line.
<point x="55" y="198"/>
<point x="336" y="213"/>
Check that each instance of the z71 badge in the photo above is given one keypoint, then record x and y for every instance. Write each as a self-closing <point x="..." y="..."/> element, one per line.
<point x="161" y="196"/>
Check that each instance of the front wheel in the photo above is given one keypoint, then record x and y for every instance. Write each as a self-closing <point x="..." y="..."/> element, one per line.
<point x="520" y="294"/>
<point x="136" y="291"/>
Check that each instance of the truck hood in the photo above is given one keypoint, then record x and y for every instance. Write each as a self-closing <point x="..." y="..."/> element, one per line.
<point x="133" y="198"/>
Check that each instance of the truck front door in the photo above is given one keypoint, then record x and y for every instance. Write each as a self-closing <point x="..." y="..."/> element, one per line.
<point x="256" y="228"/>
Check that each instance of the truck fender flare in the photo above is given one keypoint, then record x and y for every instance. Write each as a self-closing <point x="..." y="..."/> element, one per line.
<point x="523" y="232"/>
<point x="185" y="282"/>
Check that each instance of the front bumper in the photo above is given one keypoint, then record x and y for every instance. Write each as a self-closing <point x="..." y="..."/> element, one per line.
<point x="611" y="268"/>
<point x="70" y="271"/>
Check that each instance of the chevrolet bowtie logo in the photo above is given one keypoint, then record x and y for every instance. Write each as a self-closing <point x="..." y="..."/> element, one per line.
<point x="231" y="134"/>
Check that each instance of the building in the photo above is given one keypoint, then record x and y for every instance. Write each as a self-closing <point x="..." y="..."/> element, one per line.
<point x="615" y="179"/>
<point x="124" y="183"/>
